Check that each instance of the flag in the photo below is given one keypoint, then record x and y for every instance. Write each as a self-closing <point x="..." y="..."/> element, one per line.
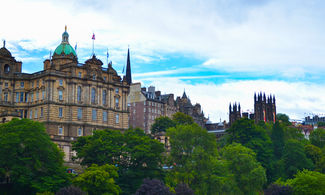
<point x="93" y="37"/>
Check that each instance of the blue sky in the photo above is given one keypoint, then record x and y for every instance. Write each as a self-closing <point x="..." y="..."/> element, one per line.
<point x="218" y="51"/>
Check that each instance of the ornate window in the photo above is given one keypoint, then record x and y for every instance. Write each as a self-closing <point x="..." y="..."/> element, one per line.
<point x="117" y="102"/>
<point x="93" y="95"/>
<point x="104" y="97"/>
<point x="60" y="95"/>
<point x="79" y="131"/>
<point x="79" y="94"/>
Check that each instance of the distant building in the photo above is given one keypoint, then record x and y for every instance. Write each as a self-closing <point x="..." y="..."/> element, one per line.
<point x="218" y="129"/>
<point x="313" y="120"/>
<point x="70" y="98"/>
<point x="264" y="110"/>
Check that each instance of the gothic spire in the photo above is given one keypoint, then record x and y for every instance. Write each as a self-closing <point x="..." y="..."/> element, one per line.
<point x="128" y="69"/>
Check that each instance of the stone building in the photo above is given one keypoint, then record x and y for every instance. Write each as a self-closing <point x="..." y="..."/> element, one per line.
<point x="185" y="106"/>
<point x="147" y="105"/>
<point x="234" y="113"/>
<point x="72" y="99"/>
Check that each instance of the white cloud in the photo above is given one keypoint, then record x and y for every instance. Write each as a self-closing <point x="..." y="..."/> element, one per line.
<point x="292" y="98"/>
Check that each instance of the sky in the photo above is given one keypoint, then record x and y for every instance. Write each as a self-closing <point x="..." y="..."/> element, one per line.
<point x="218" y="51"/>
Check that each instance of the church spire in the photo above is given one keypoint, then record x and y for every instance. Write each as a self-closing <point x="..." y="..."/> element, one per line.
<point x="128" y="69"/>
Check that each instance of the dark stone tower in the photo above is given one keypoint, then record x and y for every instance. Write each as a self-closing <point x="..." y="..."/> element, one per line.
<point x="264" y="108"/>
<point x="234" y="113"/>
<point x="128" y="69"/>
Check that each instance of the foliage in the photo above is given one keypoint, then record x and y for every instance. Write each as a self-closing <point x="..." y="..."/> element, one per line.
<point x="98" y="180"/>
<point x="195" y="163"/>
<point x="135" y="153"/>
<point x="245" y="132"/>
<point x="293" y="133"/>
<point x="276" y="189"/>
<point x="321" y="124"/>
<point x="161" y="124"/>
<point x="183" y="189"/>
<point x="317" y="156"/>
<point x="248" y="173"/>
<point x="182" y="119"/>
<point x="308" y="182"/>
<point x="317" y="137"/>
<point x="153" y="187"/>
<point x="70" y="190"/>
<point x="283" y="118"/>
<point x="29" y="158"/>
<point x="277" y="137"/>
<point x="294" y="158"/>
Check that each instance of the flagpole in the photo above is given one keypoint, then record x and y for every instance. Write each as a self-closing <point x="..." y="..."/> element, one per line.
<point x="93" y="47"/>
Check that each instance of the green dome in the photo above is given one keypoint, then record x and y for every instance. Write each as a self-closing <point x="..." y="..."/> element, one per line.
<point x="65" y="48"/>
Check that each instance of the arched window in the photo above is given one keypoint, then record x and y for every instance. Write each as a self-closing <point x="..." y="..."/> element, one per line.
<point x="104" y="97"/>
<point x="93" y="95"/>
<point x="7" y="68"/>
<point x="79" y="94"/>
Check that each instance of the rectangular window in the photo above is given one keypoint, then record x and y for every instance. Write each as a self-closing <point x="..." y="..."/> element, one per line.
<point x="21" y="97"/>
<point x="41" y="111"/>
<point x="26" y="97"/>
<point x="37" y="83"/>
<point x="79" y="131"/>
<point x="36" y="113"/>
<point x="32" y="97"/>
<point x="117" y="90"/>
<point x="117" y="119"/>
<point x="94" y="115"/>
<point x="31" y="114"/>
<point x="105" y="116"/>
<point x="60" y="131"/>
<point x="104" y="78"/>
<point x="60" y="82"/>
<point x="60" y="112"/>
<point x="79" y="115"/>
<point x="32" y="83"/>
<point x="116" y="102"/>
<point x="22" y="84"/>
<point x="6" y="84"/>
<point x="144" y="109"/>
<point x="37" y="95"/>
<point x="79" y="74"/>
<point x="43" y="94"/>
<point x="6" y="97"/>
<point x="17" y="97"/>
<point x="60" y="95"/>
<point x="43" y="82"/>
<point x="94" y="76"/>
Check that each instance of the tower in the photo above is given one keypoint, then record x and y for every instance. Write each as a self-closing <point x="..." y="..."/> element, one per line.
<point x="234" y="113"/>
<point x="264" y="108"/>
<point x="128" y="69"/>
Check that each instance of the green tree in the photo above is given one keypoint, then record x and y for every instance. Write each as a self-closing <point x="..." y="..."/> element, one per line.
<point x="182" y="119"/>
<point x="245" y="132"/>
<point x="195" y="161"/>
<point x="29" y="159"/>
<point x="277" y="137"/>
<point x="317" y="137"/>
<point x="293" y="133"/>
<point x="295" y="159"/>
<point x="321" y="124"/>
<point x="249" y="174"/>
<point x="161" y="124"/>
<point x="283" y="118"/>
<point x="317" y="156"/>
<point x="135" y="154"/>
<point x="308" y="182"/>
<point x="98" y="180"/>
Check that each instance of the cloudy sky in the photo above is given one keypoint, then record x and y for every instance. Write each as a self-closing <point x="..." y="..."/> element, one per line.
<point x="219" y="51"/>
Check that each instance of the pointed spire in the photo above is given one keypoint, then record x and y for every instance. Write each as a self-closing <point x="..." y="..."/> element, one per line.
<point x="4" y="43"/>
<point x="230" y="107"/>
<point x="128" y="69"/>
<point x="184" y="94"/>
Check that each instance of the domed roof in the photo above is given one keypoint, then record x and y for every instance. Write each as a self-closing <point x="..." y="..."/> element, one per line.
<point x="5" y="52"/>
<point x="65" y="48"/>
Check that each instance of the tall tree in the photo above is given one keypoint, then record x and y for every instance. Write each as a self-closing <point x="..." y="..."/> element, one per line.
<point x="295" y="159"/>
<point x="249" y="174"/>
<point x="161" y="124"/>
<point x="283" y="118"/>
<point x="98" y="180"/>
<point x="29" y="160"/>
<point x="277" y="137"/>
<point x="195" y="161"/>
<point x="135" y="154"/>
<point x="317" y="137"/>
<point x="182" y="119"/>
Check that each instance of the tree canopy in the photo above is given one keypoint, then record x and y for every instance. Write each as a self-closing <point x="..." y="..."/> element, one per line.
<point x="317" y="137"/>
<point x="29" y="160"/>
<point x="136" y="155"/>
<point x="161" y="124"/>
<point x="182" y="119"/>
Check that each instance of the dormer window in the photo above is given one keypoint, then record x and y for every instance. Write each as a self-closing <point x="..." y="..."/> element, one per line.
<point x="7" y="68"/>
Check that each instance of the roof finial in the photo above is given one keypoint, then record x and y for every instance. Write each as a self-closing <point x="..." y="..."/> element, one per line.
<point x="65" y="28"/>
<point x="4" y="43"/>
